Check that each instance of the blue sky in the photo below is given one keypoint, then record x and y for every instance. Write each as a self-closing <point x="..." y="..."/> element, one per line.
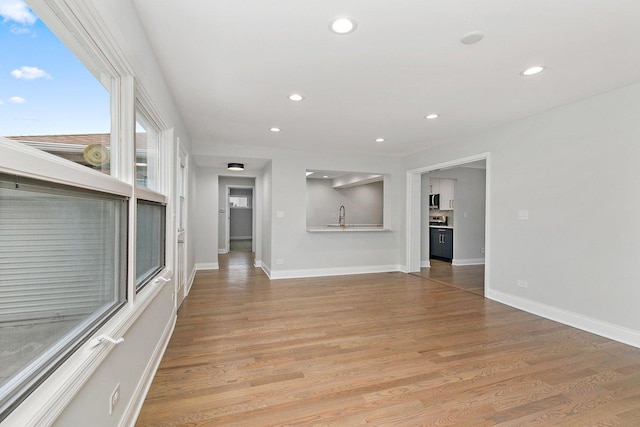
<point x="44" y="88"/>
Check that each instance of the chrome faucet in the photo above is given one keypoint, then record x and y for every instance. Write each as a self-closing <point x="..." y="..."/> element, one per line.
<point x="341" y="216"/>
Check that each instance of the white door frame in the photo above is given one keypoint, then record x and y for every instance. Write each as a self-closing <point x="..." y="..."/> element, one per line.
<point x="228" y="216"/>
<point x="181" y="235"/>
<point x="414" y="200"/>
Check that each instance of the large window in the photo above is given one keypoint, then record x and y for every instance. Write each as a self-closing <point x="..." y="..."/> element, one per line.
<point x="62" y="274"/>
<point x="49" y="99"/>
<point x="68" y="239"/>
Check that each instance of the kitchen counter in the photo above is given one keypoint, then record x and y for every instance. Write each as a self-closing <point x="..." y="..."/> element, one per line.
<point x="450" y="227"/>
<point x="349" y="228"/>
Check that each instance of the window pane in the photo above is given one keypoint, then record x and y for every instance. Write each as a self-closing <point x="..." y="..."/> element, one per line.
<point x="239" y="201"/>
<point x="146" y="155"/>
<point x="150" y="241"/>
<point x="62" y="272"/>
<point x="49" y="99"/>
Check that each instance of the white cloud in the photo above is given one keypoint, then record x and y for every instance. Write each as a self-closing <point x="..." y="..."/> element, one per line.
<point x="17" y="100"/>
<point x="17" y="11"/>
<point x="30" y="73"/>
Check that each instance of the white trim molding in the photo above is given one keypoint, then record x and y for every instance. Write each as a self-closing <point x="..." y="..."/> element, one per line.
<point x="595" y="326"/>
<point x="265" y="268"/>
<point x="190" y="280"/>
<point x="340" y="271"/>
<point x="207" y="266"/>
<point x="467" y="261"/>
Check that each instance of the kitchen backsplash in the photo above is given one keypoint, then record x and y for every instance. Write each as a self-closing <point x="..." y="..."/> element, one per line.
<point x="448" y="214"/>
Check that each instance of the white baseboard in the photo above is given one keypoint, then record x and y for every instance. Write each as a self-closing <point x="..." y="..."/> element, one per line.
<point x="190" y="280"/>
<point x="467" y="261"/>
<point x="140" y="393"/>
<point x="595" y="326"/>
<point x="425" y="263"/>
<point x="257" y="263"/>
<point x="319" y="272"/>
<point x="223" y="251"/>
<point x="207" y="266"/>
<point x="265" y="268"/>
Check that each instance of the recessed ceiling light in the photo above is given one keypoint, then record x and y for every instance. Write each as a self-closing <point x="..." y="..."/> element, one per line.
<point x="296" y="97"/>
<point x="379" y="139"/>
<point x="309" y="173"/>
<point x="275" y="129"/>
<point x="431" y="116"/>
<point x="325" y="176"/>
<point x="533" y="70"/>
<point x="472" y="37"/>
<point x="343" y="25"/>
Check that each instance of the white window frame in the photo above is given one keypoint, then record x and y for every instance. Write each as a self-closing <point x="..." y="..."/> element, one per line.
<point x="103" y="57"/>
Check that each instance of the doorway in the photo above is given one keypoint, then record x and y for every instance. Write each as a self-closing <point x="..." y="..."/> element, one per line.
<point x="465" y="221"/>
<point x="240" y="223"/>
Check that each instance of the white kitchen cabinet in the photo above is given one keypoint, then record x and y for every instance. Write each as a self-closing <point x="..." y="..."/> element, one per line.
<point x="446" y="194"/>
<point x="434" y="185"/>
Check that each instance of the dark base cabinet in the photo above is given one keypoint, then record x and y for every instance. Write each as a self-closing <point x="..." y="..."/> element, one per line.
<point x="441" y="244"/>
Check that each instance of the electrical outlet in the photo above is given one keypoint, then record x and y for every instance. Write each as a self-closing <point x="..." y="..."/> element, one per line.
<point x="481" y="250"/>
<point x="522" y="283"/>
<point x="115" y="397"/>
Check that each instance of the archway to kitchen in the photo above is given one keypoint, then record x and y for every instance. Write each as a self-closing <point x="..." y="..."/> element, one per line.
<point x="447" y="236"/>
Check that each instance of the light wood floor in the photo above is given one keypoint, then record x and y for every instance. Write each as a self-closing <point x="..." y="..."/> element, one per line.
<point x="379" y="349"/>
<point x="467" y="277"/>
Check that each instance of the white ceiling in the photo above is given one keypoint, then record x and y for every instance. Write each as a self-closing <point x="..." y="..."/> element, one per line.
<point x="231" y="65"/>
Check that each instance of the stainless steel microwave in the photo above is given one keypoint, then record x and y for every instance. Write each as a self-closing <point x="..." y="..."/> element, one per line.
<point x="434" y="201"/>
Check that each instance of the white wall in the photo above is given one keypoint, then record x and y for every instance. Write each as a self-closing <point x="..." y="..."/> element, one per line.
<point x="363" y="203"/>
<point x="558" y="166"/>
<point x="267" y="208"/>
<point x="206" y="218"/>
<point x="468" y="233"/>
<point x="303" y="253"/>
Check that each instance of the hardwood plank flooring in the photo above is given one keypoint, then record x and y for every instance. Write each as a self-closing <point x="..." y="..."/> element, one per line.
<point x="466" y="277"/>
<point x="379" y="349"/>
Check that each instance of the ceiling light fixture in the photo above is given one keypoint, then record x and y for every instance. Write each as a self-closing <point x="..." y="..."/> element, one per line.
<point x="235" y="166"/>
<point x="533" y="70"/>
<point x="296" y="97"/>
<point x="309" y="173"/>
<point x="275" y="129"/>
<point x="343" y="25"/>
<point x="432" y="116"/>
<point x="379" y="139"/>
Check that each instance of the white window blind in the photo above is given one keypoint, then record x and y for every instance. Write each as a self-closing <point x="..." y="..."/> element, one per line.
<point x="62" y="273"/>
